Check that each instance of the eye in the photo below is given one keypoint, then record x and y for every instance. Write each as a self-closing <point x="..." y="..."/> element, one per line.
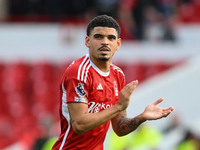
<point x="97" y="36"/>
<point x="111" y="37"/>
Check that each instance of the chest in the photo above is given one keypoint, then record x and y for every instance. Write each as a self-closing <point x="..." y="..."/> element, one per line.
<point x="103" y="93"/>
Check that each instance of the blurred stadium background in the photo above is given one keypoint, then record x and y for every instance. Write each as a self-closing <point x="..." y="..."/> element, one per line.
<point x="40" y="38"/>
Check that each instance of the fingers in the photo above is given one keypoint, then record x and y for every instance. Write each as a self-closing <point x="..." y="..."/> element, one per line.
<point x="158" y="101"/>
<point x="130" y="87"/>
<point x="133" y="84"/>
<point x="167" y="111"/>
<point x="126" y="92"/>
<point x="170" y="109"/>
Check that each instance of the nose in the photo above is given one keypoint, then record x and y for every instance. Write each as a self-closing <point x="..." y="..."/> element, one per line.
<point x="105" y="41"/>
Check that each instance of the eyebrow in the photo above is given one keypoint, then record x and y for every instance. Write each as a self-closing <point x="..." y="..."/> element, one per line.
<point x="97" y="34"/>
<point x="111" y="35"/>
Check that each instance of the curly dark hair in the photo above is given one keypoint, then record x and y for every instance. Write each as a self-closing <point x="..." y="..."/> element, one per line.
<point x="103" y="21"/>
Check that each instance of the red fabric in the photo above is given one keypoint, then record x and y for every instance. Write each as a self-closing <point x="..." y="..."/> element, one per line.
<point x="100" y="91"/>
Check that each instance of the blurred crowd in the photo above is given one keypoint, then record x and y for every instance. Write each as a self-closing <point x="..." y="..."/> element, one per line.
<point x="139" y="19"/>
<point x="173" y="136"/>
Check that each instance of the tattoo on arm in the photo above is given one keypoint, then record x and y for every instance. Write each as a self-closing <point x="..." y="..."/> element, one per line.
<point x="119" y="103"/>
<point x="124" y="114"/>
<point x="72" y="121"/>
<point x="127" y="125"/>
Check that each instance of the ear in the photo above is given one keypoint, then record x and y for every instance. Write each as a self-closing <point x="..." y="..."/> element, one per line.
<point x="87" y="41"/>
<point x="119" y="41"/>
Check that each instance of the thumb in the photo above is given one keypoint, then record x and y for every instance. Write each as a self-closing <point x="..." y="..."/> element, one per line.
<point x="133" y="83"/>
<point x="158" y="101"/>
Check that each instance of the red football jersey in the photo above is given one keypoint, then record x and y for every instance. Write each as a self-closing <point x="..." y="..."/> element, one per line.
<point x="84" y="82"/>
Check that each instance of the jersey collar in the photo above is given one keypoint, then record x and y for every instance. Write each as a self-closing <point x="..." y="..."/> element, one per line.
<point x="105" y="74"/>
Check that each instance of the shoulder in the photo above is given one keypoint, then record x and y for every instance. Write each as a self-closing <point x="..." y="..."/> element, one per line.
<point x="119" y="74"/>
<point x="117" y="70"/>
<point x="78" y="68"/>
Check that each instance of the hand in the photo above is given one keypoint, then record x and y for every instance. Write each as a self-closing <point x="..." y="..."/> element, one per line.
<point x="153" y="112"/>
<point x="125" y="94"/>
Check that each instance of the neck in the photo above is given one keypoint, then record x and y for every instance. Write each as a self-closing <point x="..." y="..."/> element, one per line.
<point x="104" y="66"/>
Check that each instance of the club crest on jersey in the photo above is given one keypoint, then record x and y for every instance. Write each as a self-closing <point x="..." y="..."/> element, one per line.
<point x="115" y="88"/>
<point x="80" y="90"/>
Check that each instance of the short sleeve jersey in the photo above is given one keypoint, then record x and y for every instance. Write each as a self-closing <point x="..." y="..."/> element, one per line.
<point x="84" y="82"/>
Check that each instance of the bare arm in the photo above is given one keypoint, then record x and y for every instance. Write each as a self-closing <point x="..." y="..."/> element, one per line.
<point x="83" y="121"/>
<point x="123" y="125"/>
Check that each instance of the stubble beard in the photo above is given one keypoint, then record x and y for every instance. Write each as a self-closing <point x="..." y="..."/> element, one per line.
<point x="104" y="58"/>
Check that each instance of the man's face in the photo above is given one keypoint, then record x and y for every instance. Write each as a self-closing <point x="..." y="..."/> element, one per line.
<point x="102" y="43"/>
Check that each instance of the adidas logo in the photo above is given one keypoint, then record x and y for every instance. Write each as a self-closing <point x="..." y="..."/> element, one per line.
<point x="99" y="87"/>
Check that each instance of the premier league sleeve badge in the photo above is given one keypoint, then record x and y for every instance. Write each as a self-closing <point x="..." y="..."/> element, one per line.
<point x="81" y="93"/>
<point x="80" y="90"/>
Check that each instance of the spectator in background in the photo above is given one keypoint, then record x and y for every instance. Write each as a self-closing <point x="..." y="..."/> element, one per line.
<point x="55" y="10"/>
<point x="145" y="19"/>
<point x="169" y="11"/>
<point x="107" y="7"/>
<point x="48" y="7"/>
<point x="189" y="142"/>
<point x="19" y="7"/>
<point x="174" y="124"/>
<point x="44" y="131"/>
<point x="76" y="9"/>
<point x="3" y="10"/>
<point x="139" y="19"/>
<point x="33" y="9"/>
<point x="141" y="139"/>
<point x="192" y="7"/>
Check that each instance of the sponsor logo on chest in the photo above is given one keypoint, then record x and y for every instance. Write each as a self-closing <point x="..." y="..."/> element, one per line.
<point x="96" y="107"/>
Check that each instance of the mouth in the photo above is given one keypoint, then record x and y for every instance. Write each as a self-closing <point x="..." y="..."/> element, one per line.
<point x="104" y="49"/>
